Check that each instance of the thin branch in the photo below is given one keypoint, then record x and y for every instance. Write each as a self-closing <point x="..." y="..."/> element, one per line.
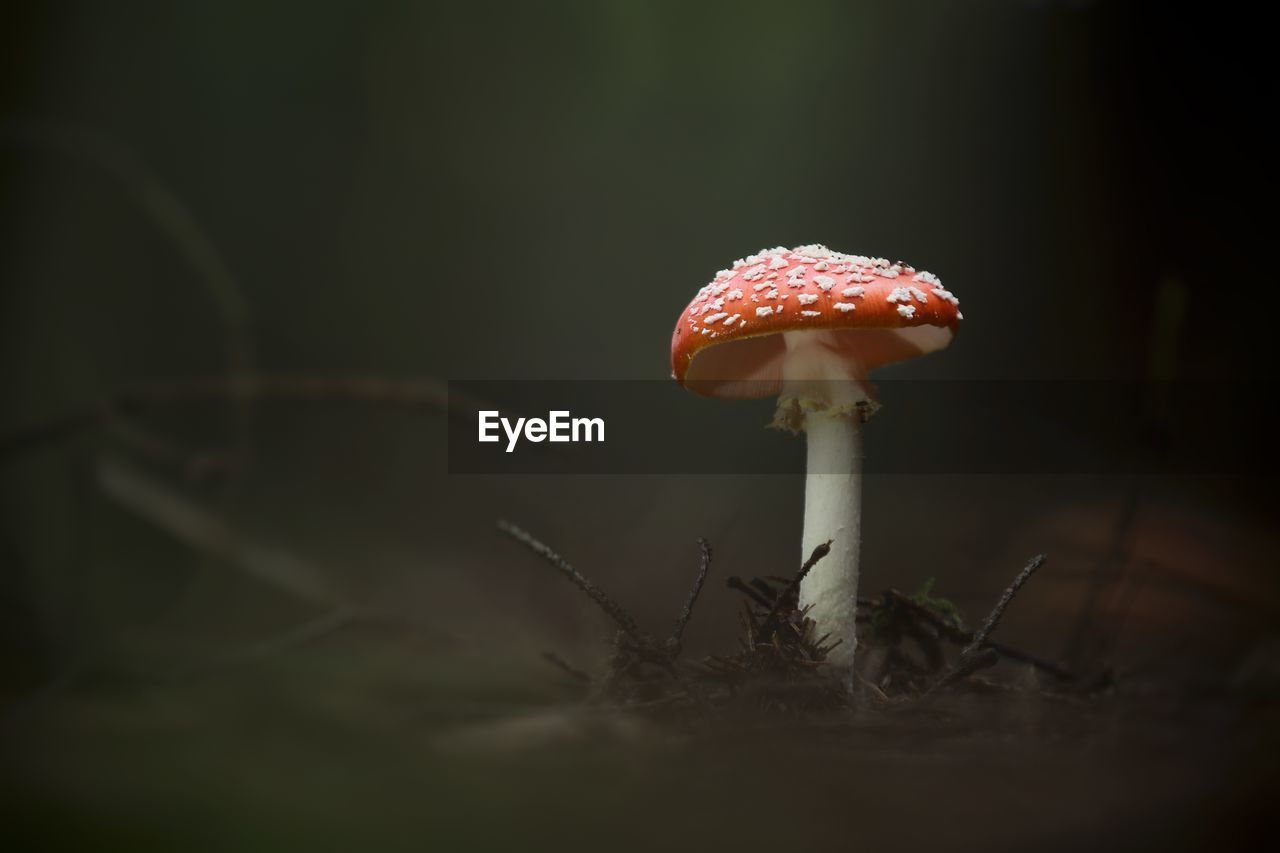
<point x="818" y="553"/>
<point x="567" y="668"/>
<point x="978" y="655"/>
<point x="966" y="666"/>
<point x="993" y="618"/>
<point x="683" y="619"/>
<point x="963" y="637"/>
<point x="607" y="604"/>
<point x="181" y="518"/>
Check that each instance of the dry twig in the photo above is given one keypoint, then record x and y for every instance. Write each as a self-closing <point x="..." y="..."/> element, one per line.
<point x="790" y="590"/>
<point x="977" y="655"/>
<point x="683" y="619"/>
<point x="567" y="668"/>
<point x="607" y="604"/>
<point x="993" y="618"/>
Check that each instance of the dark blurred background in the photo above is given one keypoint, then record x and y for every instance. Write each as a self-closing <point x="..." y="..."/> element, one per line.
<point x="431" y="191"/>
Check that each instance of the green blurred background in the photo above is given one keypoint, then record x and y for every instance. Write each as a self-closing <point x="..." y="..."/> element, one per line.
<point x="508" y="190"/>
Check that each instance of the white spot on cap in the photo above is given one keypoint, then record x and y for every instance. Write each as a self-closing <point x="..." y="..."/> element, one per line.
<point x="715" y="318"/>
<point x="734" y="295"/>
<point x="919" y="294"/>
<point x="846" y="307"/>
<point x="824" y="282"/>
<point x="764" y="311"/>
<point x="777" y="263"/>
<point x="732" y="320"/>
<point x="810" y="313"/>
<point x="898" y="294"/>
<point x="851" y="292"/>
<point x="907" y="311"/>
<point x="807" y="298"/>
<point x="942" y="293"/>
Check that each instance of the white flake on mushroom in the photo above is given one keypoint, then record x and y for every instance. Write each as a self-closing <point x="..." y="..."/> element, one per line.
<point x="732" y="320"/>
<point x="919" y="294"/>
<point x="715" y="318"/>
<point x="942" y="293"/>
<point x="852" y="292"/>
<point x="810" y="313"/>
<point x="824" y="282"/>
<point x="846" y="307"/>
<point x="898" y="294"/>
<point x="907" y="311"/>
<point x="764" y="311"/>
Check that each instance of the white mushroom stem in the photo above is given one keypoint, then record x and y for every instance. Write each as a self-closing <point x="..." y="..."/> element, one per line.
<point x="824" y="393"/>
<point x="833" y="511"/>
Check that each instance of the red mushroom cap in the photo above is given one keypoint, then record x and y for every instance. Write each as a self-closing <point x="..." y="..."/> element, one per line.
<point x="727" y="342"/>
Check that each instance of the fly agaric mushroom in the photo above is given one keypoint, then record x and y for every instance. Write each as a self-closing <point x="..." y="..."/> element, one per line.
<point x="807" y="325"/>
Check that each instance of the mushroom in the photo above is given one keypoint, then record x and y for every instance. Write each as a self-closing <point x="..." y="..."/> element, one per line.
<point x="807" y="325"/>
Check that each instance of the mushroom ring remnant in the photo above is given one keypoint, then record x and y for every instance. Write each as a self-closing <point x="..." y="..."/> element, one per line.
<point x="807" y="325"/>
